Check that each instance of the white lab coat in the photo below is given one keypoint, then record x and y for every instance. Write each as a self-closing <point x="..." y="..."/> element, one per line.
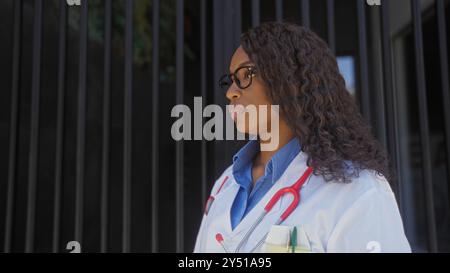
<point x="361" y="216"/>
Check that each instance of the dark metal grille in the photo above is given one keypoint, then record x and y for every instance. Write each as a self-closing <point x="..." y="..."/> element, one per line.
<point x="87" y="92"/>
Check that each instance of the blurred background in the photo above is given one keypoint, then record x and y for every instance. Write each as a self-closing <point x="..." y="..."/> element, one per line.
<point x="85" y="147"/>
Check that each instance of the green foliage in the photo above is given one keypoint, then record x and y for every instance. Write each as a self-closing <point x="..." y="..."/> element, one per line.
<point x="142" y="35"/>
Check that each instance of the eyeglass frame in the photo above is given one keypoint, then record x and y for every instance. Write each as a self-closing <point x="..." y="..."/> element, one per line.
<point x="231" y="76"/>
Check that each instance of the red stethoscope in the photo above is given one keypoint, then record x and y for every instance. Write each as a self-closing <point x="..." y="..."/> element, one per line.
<point x="293" y="189"/>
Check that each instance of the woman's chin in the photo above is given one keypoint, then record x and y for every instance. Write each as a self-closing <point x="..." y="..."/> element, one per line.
<point x="246" y="130"/>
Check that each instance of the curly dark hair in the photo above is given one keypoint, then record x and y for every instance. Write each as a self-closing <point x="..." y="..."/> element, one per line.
<point x="303" y="78"/>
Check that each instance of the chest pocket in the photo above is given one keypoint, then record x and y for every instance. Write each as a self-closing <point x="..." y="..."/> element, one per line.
<point x="287" y="239"/>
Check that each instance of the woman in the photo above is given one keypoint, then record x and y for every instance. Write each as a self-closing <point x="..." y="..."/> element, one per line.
<point x="346" y="202"/>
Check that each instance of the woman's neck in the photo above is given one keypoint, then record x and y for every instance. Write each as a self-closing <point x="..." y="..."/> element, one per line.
<point x="285" y="135"/>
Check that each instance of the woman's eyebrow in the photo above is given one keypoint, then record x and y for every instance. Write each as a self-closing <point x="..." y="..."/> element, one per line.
<point x="242" y="64"/>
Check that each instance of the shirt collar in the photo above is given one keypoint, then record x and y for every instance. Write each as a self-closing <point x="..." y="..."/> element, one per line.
<point x="245" y="155"/>
<point x="275" y="166"/>
<point x="282" y="158"/>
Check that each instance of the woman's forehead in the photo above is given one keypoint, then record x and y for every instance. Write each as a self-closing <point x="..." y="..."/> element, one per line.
<point x="239" y="58"/>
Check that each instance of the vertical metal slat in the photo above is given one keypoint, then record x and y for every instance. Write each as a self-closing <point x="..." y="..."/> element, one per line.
<point x="306" y="21"/>
<point x="363" y="63"/>
<point x="60" y="123"/>
<point x="34" y="130"/>
<point x="424" y="128"/>
<point x="390" y="96"/>
<point x="106" y="126"/>
<point x="127" y="125"/>
<point x="179" y="149"/>
<point x="237" y="18"/>
<point x="81" y="124"/>
<point x="279" y="10"/>
<point x="17" y="46"/>
<point x="155" y="127"/>
<point x="203" y="79"/>
<point x="330" y="26"/>
<point x="255" y="13"/>
<point x="443" y="45"/>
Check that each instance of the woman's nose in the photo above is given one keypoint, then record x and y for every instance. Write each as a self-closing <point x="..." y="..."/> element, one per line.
<point x="233" y="93"/>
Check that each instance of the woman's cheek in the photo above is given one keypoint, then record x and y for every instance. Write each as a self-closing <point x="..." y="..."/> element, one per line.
<point x="247" y="123"/>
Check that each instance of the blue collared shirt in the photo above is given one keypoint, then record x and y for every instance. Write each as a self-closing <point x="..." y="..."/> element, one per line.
<point x="248" y="196"/>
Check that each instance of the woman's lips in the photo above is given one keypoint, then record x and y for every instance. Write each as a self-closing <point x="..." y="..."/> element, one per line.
<point x="234" y="114"/>
<point x="235" y="111"/>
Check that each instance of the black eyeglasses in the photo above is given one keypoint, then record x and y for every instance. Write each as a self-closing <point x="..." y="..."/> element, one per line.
<point x="242" y="76"/>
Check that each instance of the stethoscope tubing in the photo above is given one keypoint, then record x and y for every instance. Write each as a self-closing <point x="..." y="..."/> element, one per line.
<point x="294" y="190"/>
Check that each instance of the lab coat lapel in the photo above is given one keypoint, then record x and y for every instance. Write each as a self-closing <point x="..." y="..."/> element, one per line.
<point x="218" y="218"/>
<point x="293" y="172"/>
<point x="220" y="211"/>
